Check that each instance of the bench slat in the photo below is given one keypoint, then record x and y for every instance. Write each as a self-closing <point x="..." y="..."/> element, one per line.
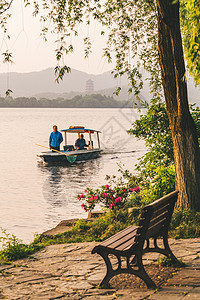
<point x="152" y="231"/>
<point x="160" y="210"/>
<point x="154" y="221"/>
<point x="161" y="205"/>
<point x="127" y="245"/>
<point x="119" y="235"/>
<point x="170" y="197"/>
<point x="119" y="242"/>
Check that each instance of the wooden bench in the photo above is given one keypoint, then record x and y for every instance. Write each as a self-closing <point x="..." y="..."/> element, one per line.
<point x="133" y="242"/>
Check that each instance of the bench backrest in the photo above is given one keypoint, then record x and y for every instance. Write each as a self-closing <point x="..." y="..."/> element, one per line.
<point x="155" y="218"/>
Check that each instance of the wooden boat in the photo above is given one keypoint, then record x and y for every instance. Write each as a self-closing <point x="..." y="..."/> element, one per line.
<point x="69" y="154"/>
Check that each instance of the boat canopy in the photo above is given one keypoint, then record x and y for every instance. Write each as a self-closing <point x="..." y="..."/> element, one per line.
<point x="79" y="129"/>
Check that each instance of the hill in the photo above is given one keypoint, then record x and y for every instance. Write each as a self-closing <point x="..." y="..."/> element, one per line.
<point x="30" y="84"/>
<point x="42" y="85"/>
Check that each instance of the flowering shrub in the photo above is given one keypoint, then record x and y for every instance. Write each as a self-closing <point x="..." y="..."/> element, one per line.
<point x="111" y="198"/>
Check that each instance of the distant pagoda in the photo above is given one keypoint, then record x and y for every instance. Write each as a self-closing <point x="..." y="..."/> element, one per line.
<point x="89" y="86"/>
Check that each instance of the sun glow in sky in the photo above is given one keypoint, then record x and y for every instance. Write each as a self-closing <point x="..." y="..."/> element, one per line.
<point x="31" y="53"/>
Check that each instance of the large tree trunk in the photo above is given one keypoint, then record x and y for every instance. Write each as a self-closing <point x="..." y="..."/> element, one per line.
<point x="184" y="135"/>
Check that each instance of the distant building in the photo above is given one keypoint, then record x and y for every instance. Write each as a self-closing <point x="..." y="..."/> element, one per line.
<point x="89" y="86"/>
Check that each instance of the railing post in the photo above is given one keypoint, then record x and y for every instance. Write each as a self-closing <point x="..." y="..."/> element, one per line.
<point x="98" y="140"/>
<point x="90" y="140"/>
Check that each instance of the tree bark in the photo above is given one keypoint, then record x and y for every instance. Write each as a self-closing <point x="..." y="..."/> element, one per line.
<point x="184" y="134"/>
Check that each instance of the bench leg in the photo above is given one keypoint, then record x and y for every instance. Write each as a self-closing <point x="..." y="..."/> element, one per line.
<point x="169" y="252"/>
<point x="109" y="270"/>
<point x="165" y="251"/>
<point x="143" y="275"/>
<point x="140" y="272"/>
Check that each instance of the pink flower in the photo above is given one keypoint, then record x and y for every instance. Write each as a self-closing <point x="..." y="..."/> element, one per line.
<point x="95" y="197"/>
<point x="111" y="205"/>
<point x="124" y="190"/>
<point x="119" y="199"/>
<point x="80" y="196"/>
<point x="131" y="189"/>
<point x="121" y="190"/>
<point x="85" y="191"/>
<point x="104" y="195"/>
<point x="137" y="189"/>
<point x="107" y="186"/>
<point x="82" y="205"/>
<point x="112" y="191"/>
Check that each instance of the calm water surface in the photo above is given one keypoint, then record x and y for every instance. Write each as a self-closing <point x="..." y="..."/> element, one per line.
<point x="34" y="197"/>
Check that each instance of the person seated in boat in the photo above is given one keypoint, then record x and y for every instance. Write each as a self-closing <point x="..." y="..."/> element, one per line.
<point x="80" y="143"/>
<point x="90" y="145"/>
<point x="55" y="139"/>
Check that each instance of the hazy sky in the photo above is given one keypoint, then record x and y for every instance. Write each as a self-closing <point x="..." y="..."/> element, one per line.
<point x="31" y="53"/>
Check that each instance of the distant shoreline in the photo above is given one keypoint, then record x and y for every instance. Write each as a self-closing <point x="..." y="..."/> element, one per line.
<point x="88" y="101"/>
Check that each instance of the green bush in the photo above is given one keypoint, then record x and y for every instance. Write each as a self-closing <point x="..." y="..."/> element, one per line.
<point x="13" y="249"/>
<point x="161" y="184"/>
<point x="185" y="224"/>
<point x="153" y="128"/>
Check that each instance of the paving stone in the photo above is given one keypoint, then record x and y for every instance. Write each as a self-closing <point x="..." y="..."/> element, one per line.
<point x="192" y="296"/>
<point x="100" y="297"/>
<point x="134" y="294"/>
<point x="160" y="295"/>
<point x="176" y="289"/>
<point x="196" y="290"/>
<point x="96" y="277"/>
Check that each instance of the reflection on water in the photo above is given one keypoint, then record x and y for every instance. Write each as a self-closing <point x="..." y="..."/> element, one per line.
<point x="62" y="181"/>
<point x="52" y="188"/>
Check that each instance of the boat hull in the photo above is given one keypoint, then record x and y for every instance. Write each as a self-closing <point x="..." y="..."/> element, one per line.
<point x="69" y="157"/>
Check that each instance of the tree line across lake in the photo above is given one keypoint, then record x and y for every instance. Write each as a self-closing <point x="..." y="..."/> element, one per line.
<point x="88" y="101"/>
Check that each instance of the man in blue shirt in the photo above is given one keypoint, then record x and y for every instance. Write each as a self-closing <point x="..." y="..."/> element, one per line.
<point x="80" y="143"/>
<point x="55" y="139"/>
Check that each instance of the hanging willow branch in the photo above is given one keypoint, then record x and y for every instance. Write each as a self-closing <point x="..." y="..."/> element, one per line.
<point x="7" y="6"/>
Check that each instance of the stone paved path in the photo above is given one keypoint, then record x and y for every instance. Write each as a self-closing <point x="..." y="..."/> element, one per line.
<point x="69" y="271"/>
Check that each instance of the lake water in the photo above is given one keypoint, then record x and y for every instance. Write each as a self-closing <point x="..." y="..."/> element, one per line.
<point x="34" y="197"/>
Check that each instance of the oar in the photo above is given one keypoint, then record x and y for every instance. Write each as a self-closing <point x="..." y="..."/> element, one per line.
<point x="54" y="150"/>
